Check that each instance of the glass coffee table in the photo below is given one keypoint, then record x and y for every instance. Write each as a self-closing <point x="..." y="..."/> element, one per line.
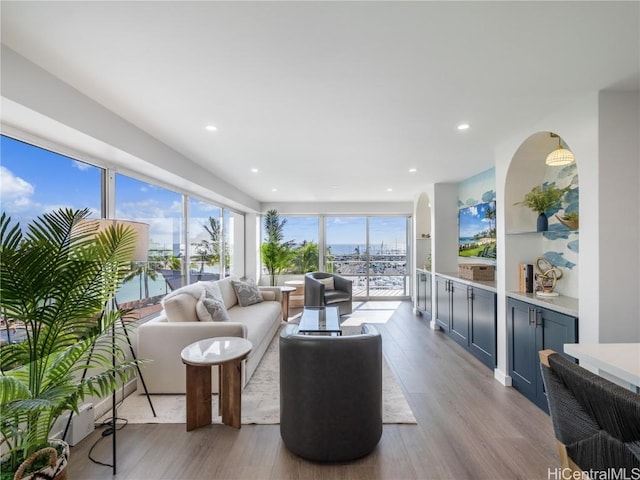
<point x="320" y="320"/>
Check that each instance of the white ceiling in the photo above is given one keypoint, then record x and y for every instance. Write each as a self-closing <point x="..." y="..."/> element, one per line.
<point x="332" y="101"/>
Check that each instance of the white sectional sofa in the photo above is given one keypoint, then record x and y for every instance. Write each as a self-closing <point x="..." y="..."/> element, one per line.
<point x="183" y="321"/>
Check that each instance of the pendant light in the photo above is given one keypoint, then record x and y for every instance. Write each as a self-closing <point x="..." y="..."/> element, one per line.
<point x="560" y="156"/>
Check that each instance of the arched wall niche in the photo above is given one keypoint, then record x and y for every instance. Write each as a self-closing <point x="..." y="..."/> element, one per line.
<point x="559" y="245"/>
<point x="423" y="215"/>
<point x="423" y="230"/>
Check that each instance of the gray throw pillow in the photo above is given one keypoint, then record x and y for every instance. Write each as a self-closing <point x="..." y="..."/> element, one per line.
<point x="216" y="309"/>
<point x="211" y="309"/>
<point x="247" y="292"/>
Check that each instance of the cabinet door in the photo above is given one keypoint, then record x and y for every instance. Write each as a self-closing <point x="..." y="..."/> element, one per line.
<point x="459" y="320"/>
<point x="427" y="296"/>
<point x="420" y="291"/>
<point x="523" y="353"/>
<point x="443" y="304"/>
<point x="482" y="326"/>
<point x="556" y="329"/>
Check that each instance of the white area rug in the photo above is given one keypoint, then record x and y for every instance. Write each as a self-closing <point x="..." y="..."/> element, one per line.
<point x="260" y="398"/>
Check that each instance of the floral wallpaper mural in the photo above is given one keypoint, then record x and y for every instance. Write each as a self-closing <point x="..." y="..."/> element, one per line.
<point x="563" y="246"/>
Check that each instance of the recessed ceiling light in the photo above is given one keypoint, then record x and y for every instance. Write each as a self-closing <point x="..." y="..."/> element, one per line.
<point x="389" y="189"/>
<point x="274" y="189"/>
<point x="413" y="170"/>
<point x="464" y="126"/>
<point x="211" y="128"/>
<point x="254" y="170"/>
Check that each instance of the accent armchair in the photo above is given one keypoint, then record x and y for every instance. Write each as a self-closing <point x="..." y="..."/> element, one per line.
<point x="596" y="422"/>
<point x="322" y="289"/>
<point x="330" y="394"/>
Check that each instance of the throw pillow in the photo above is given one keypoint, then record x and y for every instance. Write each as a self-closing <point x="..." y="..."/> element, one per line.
<point x="211" y="309"/>
<point x="328" y="283"/>
<point x="247" y="292"/>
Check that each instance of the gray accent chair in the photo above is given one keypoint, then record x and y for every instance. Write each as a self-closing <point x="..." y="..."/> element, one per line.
<point x="316" y="295"/>
<point x="330" y="394"/>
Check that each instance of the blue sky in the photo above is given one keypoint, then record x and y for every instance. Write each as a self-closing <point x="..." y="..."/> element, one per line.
<point x="348" y="230"/>
<point x="34" y="181"/>
<point x="472" y="220"/>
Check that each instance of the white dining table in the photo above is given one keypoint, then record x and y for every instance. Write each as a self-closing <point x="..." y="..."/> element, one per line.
<point x="621" y="360"/>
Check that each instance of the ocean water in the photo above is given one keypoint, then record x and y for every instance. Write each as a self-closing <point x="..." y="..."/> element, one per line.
<point x="130" y="290"/>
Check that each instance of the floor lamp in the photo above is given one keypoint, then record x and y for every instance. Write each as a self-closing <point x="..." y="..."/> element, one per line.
<point x="140" y="255"/>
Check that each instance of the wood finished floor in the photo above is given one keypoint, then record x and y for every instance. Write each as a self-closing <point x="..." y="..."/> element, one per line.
<point x="469" y="427"/>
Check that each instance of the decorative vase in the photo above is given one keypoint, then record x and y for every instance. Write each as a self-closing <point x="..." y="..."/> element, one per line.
<point x="543" y="223"/>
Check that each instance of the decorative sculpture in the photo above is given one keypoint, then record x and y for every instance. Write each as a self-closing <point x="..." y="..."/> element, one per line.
<point x="546" y="278"/>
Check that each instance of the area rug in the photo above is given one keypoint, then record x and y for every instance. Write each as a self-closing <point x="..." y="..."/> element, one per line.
<point x="260" y="398"/>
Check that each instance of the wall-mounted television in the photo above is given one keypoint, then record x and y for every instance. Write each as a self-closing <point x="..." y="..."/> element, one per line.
<point x="477" y="231"/>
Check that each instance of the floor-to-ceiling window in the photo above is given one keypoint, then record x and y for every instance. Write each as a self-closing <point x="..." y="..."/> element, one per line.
<point x="345" y="250"/>
<point x="207" y="252"/>
<point x="303" y="232"/>
<point x="388" y="256"/>
<point x="36" y="180"/>
<point x="233" y="233"/>
<point x="161" y="210"/>
<point x="372" y="251"/>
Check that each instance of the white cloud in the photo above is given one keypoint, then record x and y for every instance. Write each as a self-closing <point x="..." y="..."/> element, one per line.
<point x="81" y="165"/>
<point x="13" y="187"/>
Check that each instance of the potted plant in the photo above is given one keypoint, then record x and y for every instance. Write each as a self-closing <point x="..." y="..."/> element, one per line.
<point x="58" y="278"/>
<point x="570" y="220"/>
<point x="543" y="200"/>
<point x="277" y="255"/>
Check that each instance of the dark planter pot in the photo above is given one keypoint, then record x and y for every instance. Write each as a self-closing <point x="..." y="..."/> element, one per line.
<point x="543" y="223"/>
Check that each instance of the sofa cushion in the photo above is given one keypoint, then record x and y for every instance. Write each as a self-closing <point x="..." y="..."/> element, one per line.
<point x="228" y="293"/>
<point x="258" y="318"/>
<point x="211" y="309"/>
<point x="335" y="296"/>
<point x="247" y="292"/>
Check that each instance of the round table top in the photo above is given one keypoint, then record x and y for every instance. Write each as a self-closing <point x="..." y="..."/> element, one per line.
<point x="287" y="289"/>
<point x="213" y="351"/>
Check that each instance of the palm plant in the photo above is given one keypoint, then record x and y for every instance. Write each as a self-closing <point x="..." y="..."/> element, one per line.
<point x="58" y="278"/>
<point x="277" y="255"/>
<point x="307" y="256"/>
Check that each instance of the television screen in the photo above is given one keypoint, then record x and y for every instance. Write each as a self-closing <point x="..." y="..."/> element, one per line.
<point x="477" y="230"/>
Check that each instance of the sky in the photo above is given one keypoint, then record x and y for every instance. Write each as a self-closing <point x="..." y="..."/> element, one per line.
<point x="472" y="220"/>
<point x="34" y="181"/>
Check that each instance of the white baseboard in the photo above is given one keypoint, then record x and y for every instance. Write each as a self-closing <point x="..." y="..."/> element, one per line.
<point x="102" y="406"/>
<point x="502" y="377"/>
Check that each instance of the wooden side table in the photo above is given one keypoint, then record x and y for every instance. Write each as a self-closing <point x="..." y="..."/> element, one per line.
<point x="297" y="298"/>
<point x="286" y="291"/>
<point x="227" y="353"/>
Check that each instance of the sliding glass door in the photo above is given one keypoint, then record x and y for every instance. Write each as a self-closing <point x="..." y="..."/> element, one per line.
<point x="371" y="251"/>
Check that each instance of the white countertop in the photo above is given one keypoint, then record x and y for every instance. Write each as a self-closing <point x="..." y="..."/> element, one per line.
<point x="621" y="360"/>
